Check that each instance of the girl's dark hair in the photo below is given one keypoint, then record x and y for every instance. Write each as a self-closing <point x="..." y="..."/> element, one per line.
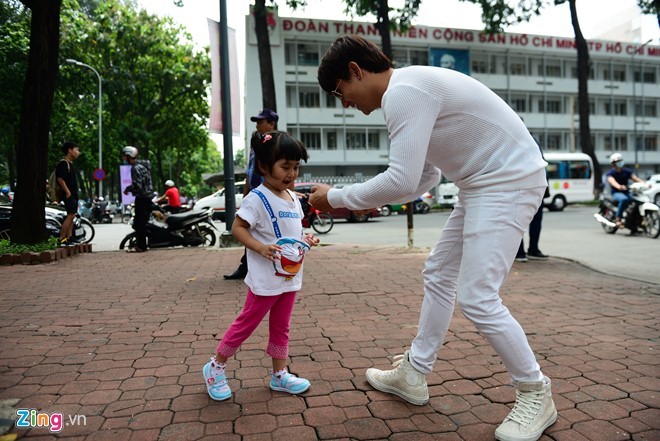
<point x="270" y="147"/>
<point x="67" y="146"/>
<point x="334" y="65"/>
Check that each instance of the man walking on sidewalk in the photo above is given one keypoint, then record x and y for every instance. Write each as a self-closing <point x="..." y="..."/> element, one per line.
<point x="440" y="118"/>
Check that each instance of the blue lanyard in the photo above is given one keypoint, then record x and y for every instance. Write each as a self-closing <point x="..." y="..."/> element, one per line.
<point x="273" y="219"/>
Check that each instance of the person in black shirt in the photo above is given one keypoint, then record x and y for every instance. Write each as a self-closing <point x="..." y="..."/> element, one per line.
<point x="66" y="178"/>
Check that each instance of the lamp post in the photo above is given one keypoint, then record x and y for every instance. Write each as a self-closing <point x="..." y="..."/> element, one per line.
<point x="78" y="63"/>
<point x="634" y="104"/>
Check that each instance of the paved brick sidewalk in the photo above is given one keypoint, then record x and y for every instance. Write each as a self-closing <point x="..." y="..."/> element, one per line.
<point x="121" y="339"/>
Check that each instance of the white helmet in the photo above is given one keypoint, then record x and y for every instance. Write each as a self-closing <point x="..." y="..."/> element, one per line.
<point x="616" y="157"/>
<point x="130" y="151"/>
<point x="101" y="199"/>
<point x="169" y="183"/>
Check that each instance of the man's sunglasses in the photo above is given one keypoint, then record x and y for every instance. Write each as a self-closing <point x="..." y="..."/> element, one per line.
<point x="336" y="93"/>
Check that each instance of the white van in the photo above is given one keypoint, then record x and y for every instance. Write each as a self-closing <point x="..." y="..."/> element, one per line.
<point x="217" y="201"/>
<point x="447" y="192"/>
<point x="570" y="179"/>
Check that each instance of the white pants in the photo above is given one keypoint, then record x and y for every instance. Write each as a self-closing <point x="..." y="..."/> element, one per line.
<point x="469" y="263"/>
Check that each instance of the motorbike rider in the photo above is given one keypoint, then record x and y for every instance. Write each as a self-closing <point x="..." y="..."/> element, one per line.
<point x="99" y="208"/>
<point x="618" y="178"/>
<point x="142" y="188"/>
<point x="172" y="197"/>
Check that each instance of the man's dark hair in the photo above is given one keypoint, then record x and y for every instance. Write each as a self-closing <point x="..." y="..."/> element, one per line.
<point x="270" y="147"/>
<point x="68" y="146"/>
<point x="334" y="65"/>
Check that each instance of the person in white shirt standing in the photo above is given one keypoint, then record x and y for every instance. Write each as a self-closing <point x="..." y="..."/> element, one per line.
<point x="440" y="119"/>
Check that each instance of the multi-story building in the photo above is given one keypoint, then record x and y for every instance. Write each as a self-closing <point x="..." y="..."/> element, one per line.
<point x="536" y="75"/>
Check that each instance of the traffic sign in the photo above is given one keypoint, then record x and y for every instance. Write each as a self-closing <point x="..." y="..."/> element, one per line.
<point x="99" y="174"/>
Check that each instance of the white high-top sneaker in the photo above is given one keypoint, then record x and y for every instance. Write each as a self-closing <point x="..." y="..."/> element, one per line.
<point x="403" y="381"/>
<point x="533" y="412"/>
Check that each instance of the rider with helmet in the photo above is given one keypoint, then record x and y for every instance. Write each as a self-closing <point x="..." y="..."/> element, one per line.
<point x="142" y="188"/>
<point x="618" y="178"/>
<point x="172" y="197"/>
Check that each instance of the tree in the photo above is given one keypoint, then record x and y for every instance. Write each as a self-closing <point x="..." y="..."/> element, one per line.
<point x="14" y="48"/>
<point x="496" y="14"/>
<point x="385" y="24"/>
<point x="28" y="218"/>
<point x="155" y="92"/>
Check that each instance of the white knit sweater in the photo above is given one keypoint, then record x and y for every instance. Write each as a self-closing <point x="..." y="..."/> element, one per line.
<point x="442" y="119"/>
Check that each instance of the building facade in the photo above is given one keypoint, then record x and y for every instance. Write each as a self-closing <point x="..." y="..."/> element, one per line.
<point x="536" y="75"/>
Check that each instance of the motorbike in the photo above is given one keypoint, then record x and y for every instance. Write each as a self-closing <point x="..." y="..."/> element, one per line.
<point x="83" y="230"/>
<point x="321" y="222"/>
<point x="640" y="216"/>
<point x="184" y="229"/>
<point x="100" y="213"/>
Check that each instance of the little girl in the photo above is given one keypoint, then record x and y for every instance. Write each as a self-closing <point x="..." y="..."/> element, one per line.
<point x="269" y="224"/>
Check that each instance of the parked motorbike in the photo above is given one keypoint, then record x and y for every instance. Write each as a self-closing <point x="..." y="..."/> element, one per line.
<point x="639" y="216"/>
<point x="100" y="212"/>
<point x="83" y="230"/>
<point x="321" y="222"/>
<point x="184" y="229"/>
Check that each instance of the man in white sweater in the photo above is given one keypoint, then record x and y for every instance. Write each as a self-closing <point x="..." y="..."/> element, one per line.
<point x="440" y="119"/>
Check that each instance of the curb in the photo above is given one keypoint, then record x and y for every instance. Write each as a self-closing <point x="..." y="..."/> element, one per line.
<point x="49" y="256"/>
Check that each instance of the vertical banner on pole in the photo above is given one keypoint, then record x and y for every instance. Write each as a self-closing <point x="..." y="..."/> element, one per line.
<point x="125" y="181"/>
<point x="215" y="120"/>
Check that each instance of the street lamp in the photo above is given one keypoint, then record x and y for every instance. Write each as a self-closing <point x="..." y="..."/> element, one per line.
<point x="634" y="104"/>
<point x="78" y="63"/>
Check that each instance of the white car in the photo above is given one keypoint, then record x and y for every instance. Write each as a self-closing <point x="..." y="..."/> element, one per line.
<point x="216" y="201"/>
<point x="654" y="191"/>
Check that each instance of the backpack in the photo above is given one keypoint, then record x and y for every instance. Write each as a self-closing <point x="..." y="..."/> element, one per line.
<point x="54" y="189"/>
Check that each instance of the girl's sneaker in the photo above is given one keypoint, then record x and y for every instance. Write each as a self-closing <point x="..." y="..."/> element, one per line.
<point x="216" y="381"/>
<point x="283" y="381"/>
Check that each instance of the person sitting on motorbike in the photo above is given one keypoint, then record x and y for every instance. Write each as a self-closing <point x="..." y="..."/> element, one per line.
<point x="618" y="178"/>
<point x="172" y="197"/>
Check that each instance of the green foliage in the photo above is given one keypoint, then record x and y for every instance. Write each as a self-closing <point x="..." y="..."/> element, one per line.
<point x="14" y="44"/>
<point x="7" y="247"/>
<point x="155" y="90"/>
<point x="649" y="6"/>
<point x="498" y="14"/>
<point x="400" y="20"/>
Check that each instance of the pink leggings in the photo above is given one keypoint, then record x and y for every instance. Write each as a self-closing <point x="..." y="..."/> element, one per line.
<point x="254" y="310"/>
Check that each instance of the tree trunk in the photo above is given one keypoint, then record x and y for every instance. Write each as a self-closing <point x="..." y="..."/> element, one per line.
<point x="265" y="58"/>
<point x="28" y="219"/>
<point x="383" y="25"/>
<point x="583" y="96"/>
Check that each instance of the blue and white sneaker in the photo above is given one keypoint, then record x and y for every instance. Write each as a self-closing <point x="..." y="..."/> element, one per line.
<point x="286" y="382"/>
<point x="216" y="381"/>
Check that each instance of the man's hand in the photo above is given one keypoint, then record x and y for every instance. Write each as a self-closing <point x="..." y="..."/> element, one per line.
<point x="319" y="197"/>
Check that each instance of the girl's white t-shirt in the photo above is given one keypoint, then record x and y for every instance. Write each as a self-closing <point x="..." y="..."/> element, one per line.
<point x="261" y="276"/>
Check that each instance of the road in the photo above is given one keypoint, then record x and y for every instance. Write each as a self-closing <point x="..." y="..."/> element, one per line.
<point x="571" y="234"/>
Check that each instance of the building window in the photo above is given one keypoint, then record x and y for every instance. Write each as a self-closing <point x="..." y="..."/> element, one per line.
<point x="619" y="108"/>
<point x="519" y="104"/>
<point x="419" y="57"/>
<point x="551" y="70"/>
<point x="518" y="66"/>
<point x="356" y="141"/>
<point x="553" y="141"/>
<point x="309" y="97"/>
<point x="649" y="109"/>
<point x="308" y="54"/>
<point x="620" y="143"/>
<point x="551" y="105"/>
<point x="372" y="141"/>
<point x="650" y="144"/>
<point x="647" y="75"/>
<point x="311" y="139"/>
<point x="331" y="140"/>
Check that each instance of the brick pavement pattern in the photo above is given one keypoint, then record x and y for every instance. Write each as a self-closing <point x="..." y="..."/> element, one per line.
<point x="121" y="339"/>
